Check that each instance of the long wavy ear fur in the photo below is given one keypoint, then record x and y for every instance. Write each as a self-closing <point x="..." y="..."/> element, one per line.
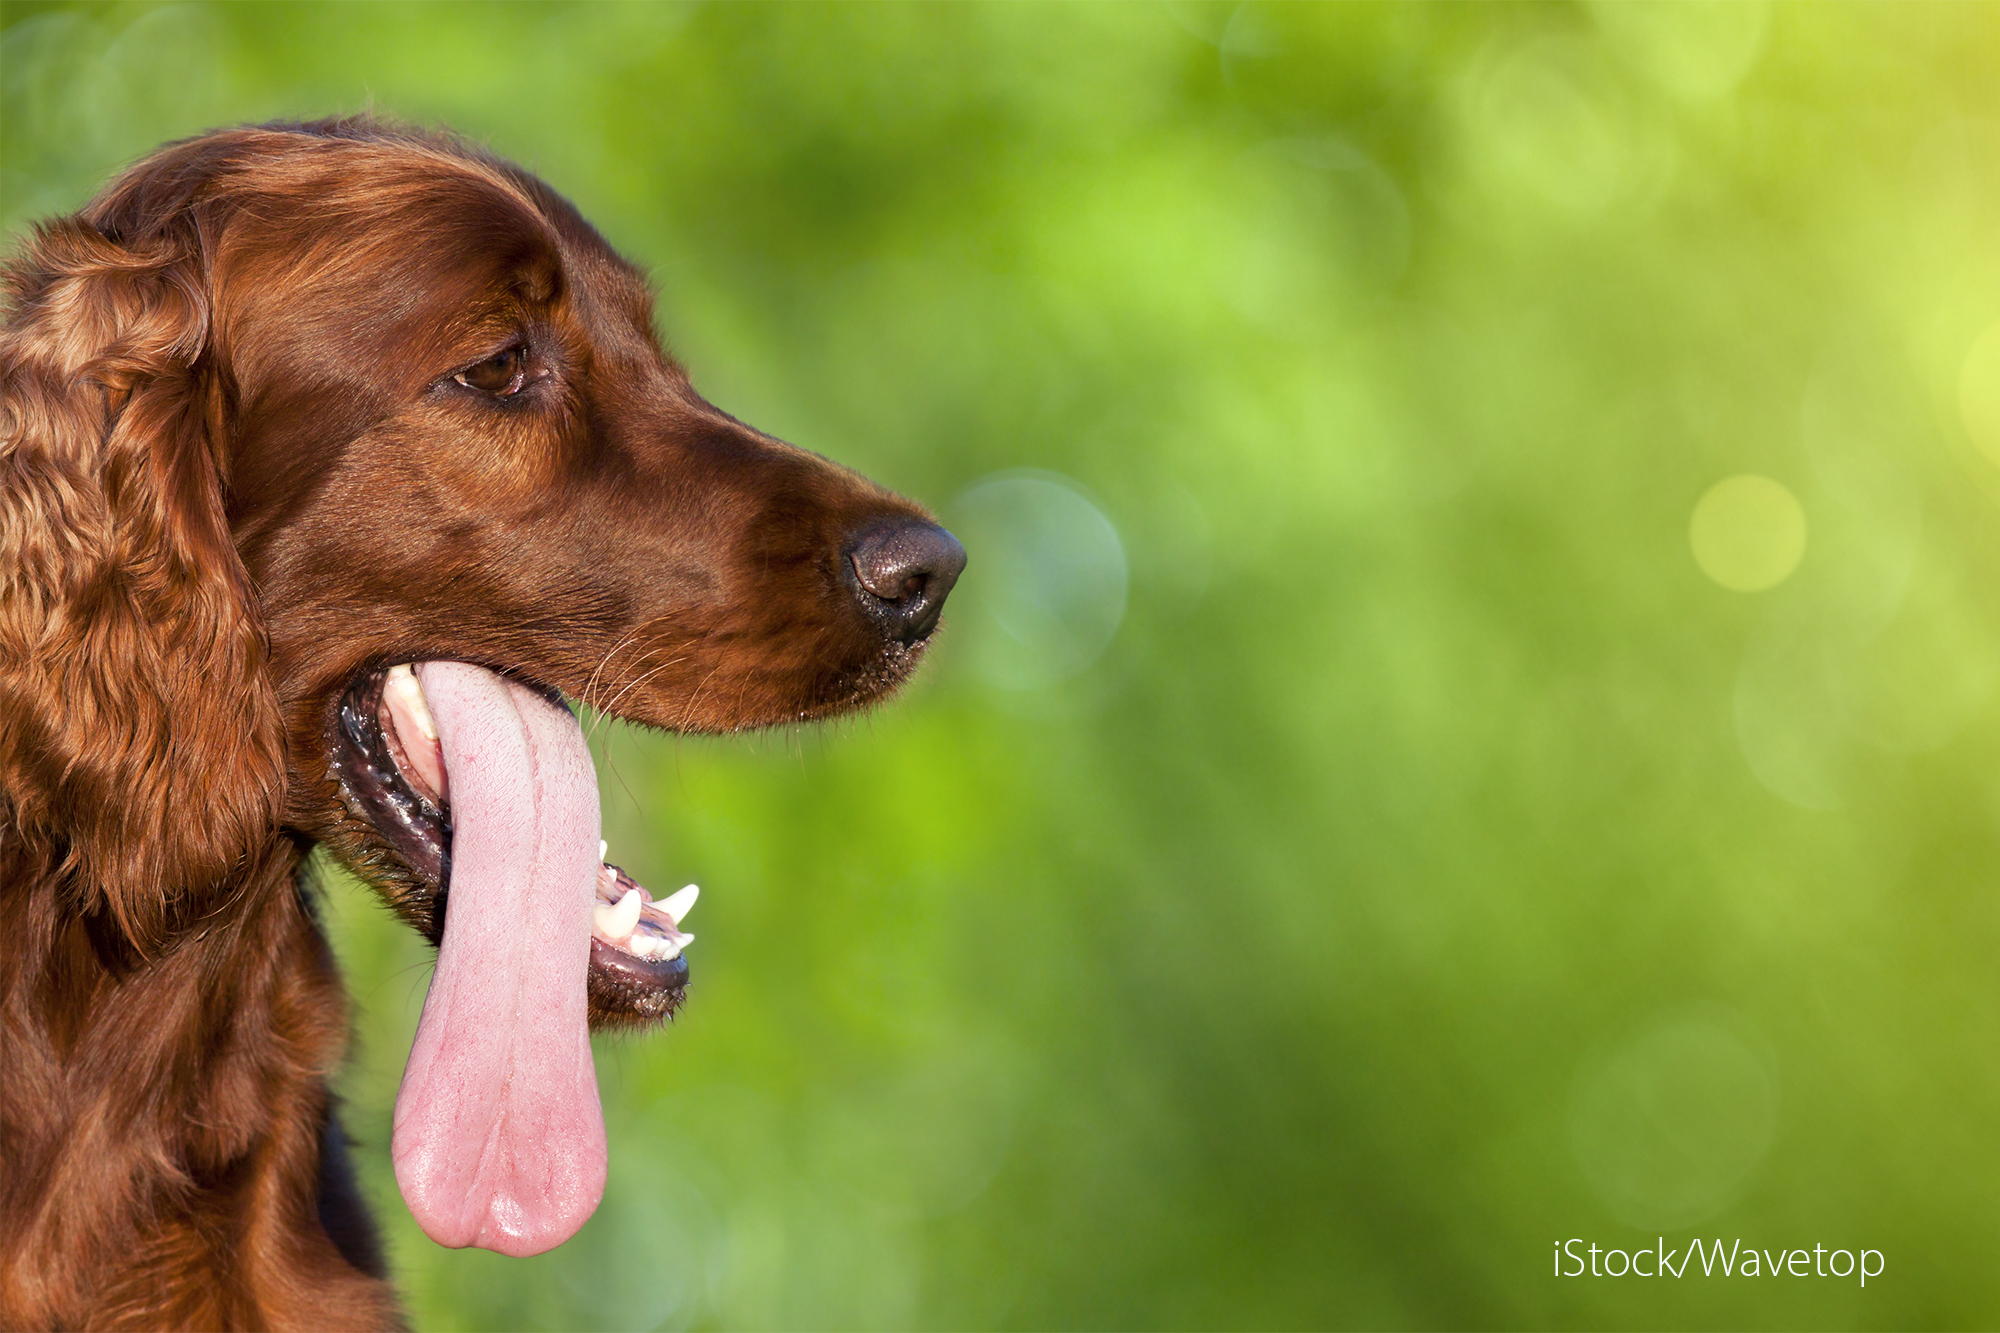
<point x="141" y="754"/>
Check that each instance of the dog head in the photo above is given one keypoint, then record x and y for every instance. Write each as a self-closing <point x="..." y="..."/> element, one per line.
<point x="387" y="465"/>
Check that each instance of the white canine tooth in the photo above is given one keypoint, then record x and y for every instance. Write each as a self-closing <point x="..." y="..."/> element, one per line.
<point x="626" y="914"/>
<point x="678" y="905"/>
<point x="615" y="923"/>
<point x="404" y="682"/>
<point x="603" y="849"/>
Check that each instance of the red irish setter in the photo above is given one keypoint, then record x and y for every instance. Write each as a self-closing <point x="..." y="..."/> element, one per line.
<point x="333" y="459"/>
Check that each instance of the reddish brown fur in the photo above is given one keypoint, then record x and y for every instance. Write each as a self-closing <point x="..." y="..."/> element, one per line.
<point x="234" y="474"/>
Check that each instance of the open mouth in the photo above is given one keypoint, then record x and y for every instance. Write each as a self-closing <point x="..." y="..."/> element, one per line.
<point x="483" y="788"/>
<point x="392" y="772"/>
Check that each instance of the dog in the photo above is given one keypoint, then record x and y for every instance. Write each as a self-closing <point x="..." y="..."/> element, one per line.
<point x="335" y="460"/>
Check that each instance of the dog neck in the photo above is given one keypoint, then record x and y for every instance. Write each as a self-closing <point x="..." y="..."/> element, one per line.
<point x="166" y="1187"/>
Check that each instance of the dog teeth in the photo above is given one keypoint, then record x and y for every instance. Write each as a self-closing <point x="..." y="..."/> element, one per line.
<point x="404" y="682"/>
<point x="678" y="905"/>
<point x="657" y="947"/>
<point x="615" y="922"/>
<point x="603" y="850"/>
<point x="624" y="924"/>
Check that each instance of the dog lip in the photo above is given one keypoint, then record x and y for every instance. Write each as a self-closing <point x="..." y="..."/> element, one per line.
<point x="644" y="987"/>
<point x="372" y="785"/>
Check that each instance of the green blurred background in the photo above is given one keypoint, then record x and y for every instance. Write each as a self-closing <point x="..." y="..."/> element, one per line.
<point x="1377" y="810"/>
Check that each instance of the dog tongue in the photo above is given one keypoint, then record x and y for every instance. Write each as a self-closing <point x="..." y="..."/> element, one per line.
<point x="499" y="1138"/>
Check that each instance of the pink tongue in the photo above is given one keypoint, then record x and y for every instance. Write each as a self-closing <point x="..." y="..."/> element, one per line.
<point x="499" y="1139"/>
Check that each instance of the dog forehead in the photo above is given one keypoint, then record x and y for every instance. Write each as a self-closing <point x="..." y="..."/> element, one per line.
<point x="382" y="236"/>
<point x="427" y="249"/>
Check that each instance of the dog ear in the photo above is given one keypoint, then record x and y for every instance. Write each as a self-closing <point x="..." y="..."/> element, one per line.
<point x="141" y="752"/>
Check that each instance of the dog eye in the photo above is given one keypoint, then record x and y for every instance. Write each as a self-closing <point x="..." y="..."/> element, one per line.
<point x="502" y="375"/>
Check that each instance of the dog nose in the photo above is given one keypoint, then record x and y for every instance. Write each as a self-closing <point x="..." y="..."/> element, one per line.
<point x="906" y="567"/>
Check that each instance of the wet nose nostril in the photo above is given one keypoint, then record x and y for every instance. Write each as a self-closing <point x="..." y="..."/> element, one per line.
<point x="905" y="569"/>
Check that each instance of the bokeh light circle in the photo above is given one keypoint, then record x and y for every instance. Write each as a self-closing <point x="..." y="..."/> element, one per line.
<point x="1748" y="533"/>
<point x="1046" y="581"/>
<point x="1669" y="1126"/>
<point x="1979" y="393"/>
